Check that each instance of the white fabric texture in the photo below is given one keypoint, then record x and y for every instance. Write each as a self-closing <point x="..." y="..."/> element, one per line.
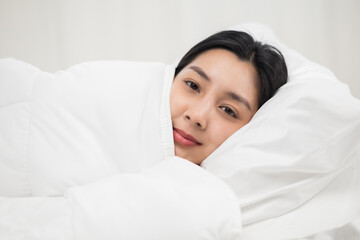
<point x="173" y="199"/>
<point x="295" y="166"/>
<point x="35" y="218"/>
<point x="76" y="126"/>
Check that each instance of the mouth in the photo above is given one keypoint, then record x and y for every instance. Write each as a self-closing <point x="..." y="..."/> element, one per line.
<point x="184" y="139"/>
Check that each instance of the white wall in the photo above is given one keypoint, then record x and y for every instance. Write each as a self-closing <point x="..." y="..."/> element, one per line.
<point x="55" y="34"/>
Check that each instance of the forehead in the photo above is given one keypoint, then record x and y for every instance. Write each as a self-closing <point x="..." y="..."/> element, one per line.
<point x="221" y="61"/>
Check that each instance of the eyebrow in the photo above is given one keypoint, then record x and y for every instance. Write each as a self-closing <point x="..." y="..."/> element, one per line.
<point x="199" y="71"/>
<point x="232" y="95"/>
<point x="238" y="98"/>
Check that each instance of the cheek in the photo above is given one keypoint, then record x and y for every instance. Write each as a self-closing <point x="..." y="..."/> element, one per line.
<point x="176" y="105"/>
<point x="222" y="130"/>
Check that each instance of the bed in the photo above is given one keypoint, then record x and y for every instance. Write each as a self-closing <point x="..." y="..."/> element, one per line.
<point x="87" y="153"/>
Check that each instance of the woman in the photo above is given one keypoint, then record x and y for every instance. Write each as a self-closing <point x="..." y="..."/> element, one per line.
<point x="218" y="86"/>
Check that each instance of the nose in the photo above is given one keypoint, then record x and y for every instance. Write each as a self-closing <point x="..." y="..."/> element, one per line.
<point x="199" y="113"/>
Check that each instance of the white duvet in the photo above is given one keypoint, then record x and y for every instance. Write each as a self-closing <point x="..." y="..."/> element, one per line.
<point x="77" y="126"/>
<point x="174" y="199"/>
<point x="87" y="153"/>
<point x="90" y="156"/>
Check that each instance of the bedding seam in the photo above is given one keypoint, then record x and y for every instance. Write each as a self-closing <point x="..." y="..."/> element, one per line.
<point x="164" y="121"/>
<point x="27" y="162"/>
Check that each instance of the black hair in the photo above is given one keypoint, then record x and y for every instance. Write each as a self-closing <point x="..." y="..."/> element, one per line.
<point x="267" y="60"/>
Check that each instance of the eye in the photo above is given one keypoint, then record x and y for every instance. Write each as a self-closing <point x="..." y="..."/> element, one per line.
<point x="228" y="111"/>
<point x="192" y="85"/>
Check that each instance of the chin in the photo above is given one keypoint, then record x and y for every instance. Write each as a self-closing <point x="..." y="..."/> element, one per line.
<point x="197" y="162"/>
<point x="187" y="158"/>
<point x="194" y="159"/>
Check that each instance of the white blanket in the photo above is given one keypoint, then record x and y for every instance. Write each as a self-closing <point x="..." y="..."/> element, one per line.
<point x="107" y="126"/>
<point x="77" y="126"/>
<point x="173" y="199"/>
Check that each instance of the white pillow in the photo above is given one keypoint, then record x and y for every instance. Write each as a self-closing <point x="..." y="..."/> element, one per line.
<point x="294" y="167"/>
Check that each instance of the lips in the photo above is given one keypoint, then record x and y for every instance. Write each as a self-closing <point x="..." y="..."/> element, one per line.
<point x="184" y="139"/>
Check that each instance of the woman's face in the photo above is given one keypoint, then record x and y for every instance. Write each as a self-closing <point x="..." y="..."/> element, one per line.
<point x="210" y="99"/>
